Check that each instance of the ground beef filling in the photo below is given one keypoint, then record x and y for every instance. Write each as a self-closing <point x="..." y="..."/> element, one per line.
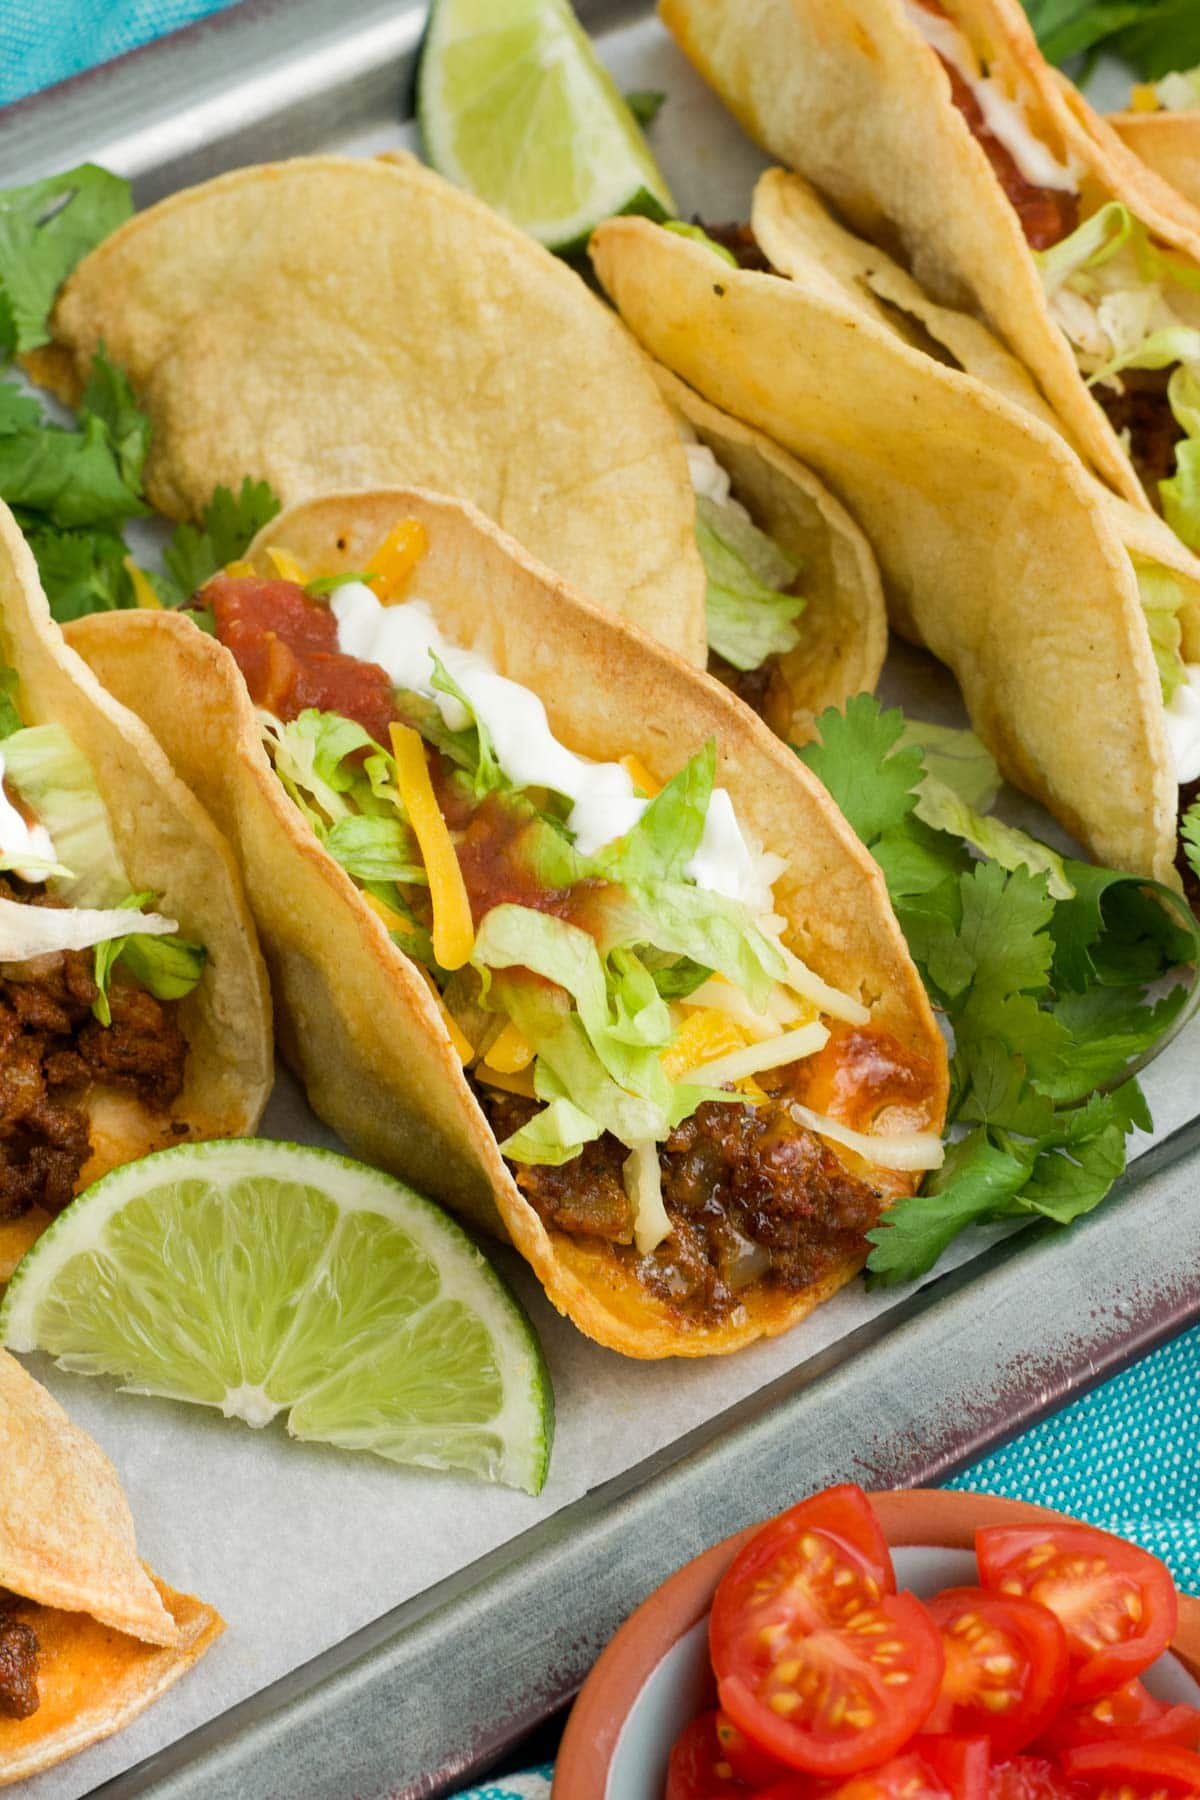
<point x="53" y="1050"/>
<point x="1143" y="411"/>
<point x="752" y="1196"/>
<point x="19" y="1697"/>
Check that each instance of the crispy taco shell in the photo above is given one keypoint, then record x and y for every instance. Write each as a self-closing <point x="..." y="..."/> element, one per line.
<point x="843" y="628"/>
<point x="994" y="552"/>
<point x="169" y="846"/>
<point x="357" y="1019"/>
<point x="802" y="241"/>
<point x="330" y="322"/>
<point x="1168" y="142"/>
<point x="111" y="1636"/>
<point x="848" y="93"/>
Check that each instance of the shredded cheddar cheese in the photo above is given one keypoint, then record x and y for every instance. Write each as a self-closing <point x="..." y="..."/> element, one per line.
<point x="396" y="558"/>
<point x="702" y="1038"/>
<point x="392" y="919"/>
<point x="520" y="1083"/>
<point x="286" y="566"/>
<point x="1144" y="98"/>
<point x="641" y="777"/>
<point x="453" y="928"/>
<point x="143" y="591"/>
<point x="239" y="568"/>
<point x="463" y="1047"/>
<point x="510" y="1053"/>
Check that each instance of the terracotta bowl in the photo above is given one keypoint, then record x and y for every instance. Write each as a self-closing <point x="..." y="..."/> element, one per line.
<point x="654" y="1675"/>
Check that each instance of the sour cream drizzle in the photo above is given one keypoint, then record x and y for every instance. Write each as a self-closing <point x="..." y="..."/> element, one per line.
<point x="404" y="639"/>
<point x="18" y="839"/>
<point x="1183" y="726"/>
<point x="1004" y="117"/>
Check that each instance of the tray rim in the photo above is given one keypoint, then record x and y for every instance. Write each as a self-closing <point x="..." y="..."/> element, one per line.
<point x="259" y="1737"/>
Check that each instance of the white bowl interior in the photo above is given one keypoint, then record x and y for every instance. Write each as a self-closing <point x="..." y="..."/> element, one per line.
<point x="680" y="1686"/>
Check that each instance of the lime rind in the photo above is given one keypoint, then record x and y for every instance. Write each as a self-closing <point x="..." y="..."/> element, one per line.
<point x="259" y="1278"/>
<point x="522" y="113"/>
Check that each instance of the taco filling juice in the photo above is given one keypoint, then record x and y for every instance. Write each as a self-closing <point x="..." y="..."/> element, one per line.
<point x="87" y="996"/>
<point x="665" y="1077"/>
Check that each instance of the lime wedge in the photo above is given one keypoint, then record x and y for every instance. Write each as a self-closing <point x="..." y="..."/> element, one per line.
<point x="261" y="1277"/>
<point x="514" y="105"/>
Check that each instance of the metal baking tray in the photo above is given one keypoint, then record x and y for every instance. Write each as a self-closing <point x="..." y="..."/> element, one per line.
<point x="436" y="1689"/>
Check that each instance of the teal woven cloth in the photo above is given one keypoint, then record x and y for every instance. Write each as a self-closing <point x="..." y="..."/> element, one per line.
<point x="44" y="41"/>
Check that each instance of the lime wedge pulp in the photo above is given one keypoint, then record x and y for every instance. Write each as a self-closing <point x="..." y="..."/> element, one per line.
<point x="260" y="1278"/>
<point x="515" y="105"/>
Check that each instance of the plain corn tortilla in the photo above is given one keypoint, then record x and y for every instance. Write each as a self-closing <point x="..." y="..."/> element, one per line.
<point x="357" y="1019"/>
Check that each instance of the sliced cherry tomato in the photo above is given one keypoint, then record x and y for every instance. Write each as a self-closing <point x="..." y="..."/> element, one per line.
<point x="1030" y="1778"/>
<point x="1006" y="1667"/>
<point x="697" y="1769"/>
<point x="907" y="1777"/>
<point x="748" y="1762"/>
<point x="962" y="1764"/>
<point x="1134" y="1771"/>
<point x="1129" y="1712"/>
<point x="814" y="1661"/>
<point x="1116" y="1603"/>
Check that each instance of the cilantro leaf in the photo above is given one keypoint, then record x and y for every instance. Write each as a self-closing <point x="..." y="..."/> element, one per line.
<point x="45" y="229"/>
<point x="977" y="1181"/>
<point x="1155" y="36"/>
<point x="1050" y="973"/>
<point x="227" y="526"/>
<point x="856" y="758"/>
<point x="1190" y="833"/>
<point x="82" y="571"/>
<point x="645" y="104"/>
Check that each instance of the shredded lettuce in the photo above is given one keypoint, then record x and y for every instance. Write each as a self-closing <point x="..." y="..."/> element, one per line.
<point x="55" y="781"/>
<point x="749" y="617"/>
<point x="1162" y="596"/>
<point x="1181" y="492"/>
<point x="956" y="758"/>
<point x="1127" y="317"/>
<point x="166" y="966"/>
<point x="376" y="850"/>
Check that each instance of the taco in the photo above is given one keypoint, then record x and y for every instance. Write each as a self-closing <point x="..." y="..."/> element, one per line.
<point x="794" y="608"/>
<point x="88" y="1636"/>
<point x="998" y="551"/>
<point x="557" y="929"/>
<point x="336" y="322"/>
<point x="942" y="134"/>
<point x="133" y="1002"/>
<point x="1168" y="138"/>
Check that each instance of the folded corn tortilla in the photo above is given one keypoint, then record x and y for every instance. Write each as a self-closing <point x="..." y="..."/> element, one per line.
<point x="848" y="94"/>
<point x="168" y="846"/>
<point x="111" y="1637"/>
<point x="994" y="550"/>
<point x="1168" y="143"/>
<point x="331" y="322"/>
<point x="357" y="1018"/>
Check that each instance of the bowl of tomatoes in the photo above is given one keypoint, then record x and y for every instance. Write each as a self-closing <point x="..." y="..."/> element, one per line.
<point x="917" y="1645"/>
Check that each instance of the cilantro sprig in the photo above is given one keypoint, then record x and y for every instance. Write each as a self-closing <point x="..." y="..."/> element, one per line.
<point x="1049" y="976"/>
<point x="45" y="228"/>
<point x="1154" y="36"/>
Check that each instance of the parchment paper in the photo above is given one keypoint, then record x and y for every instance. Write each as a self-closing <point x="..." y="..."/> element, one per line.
<point x="299" y="1546"/>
